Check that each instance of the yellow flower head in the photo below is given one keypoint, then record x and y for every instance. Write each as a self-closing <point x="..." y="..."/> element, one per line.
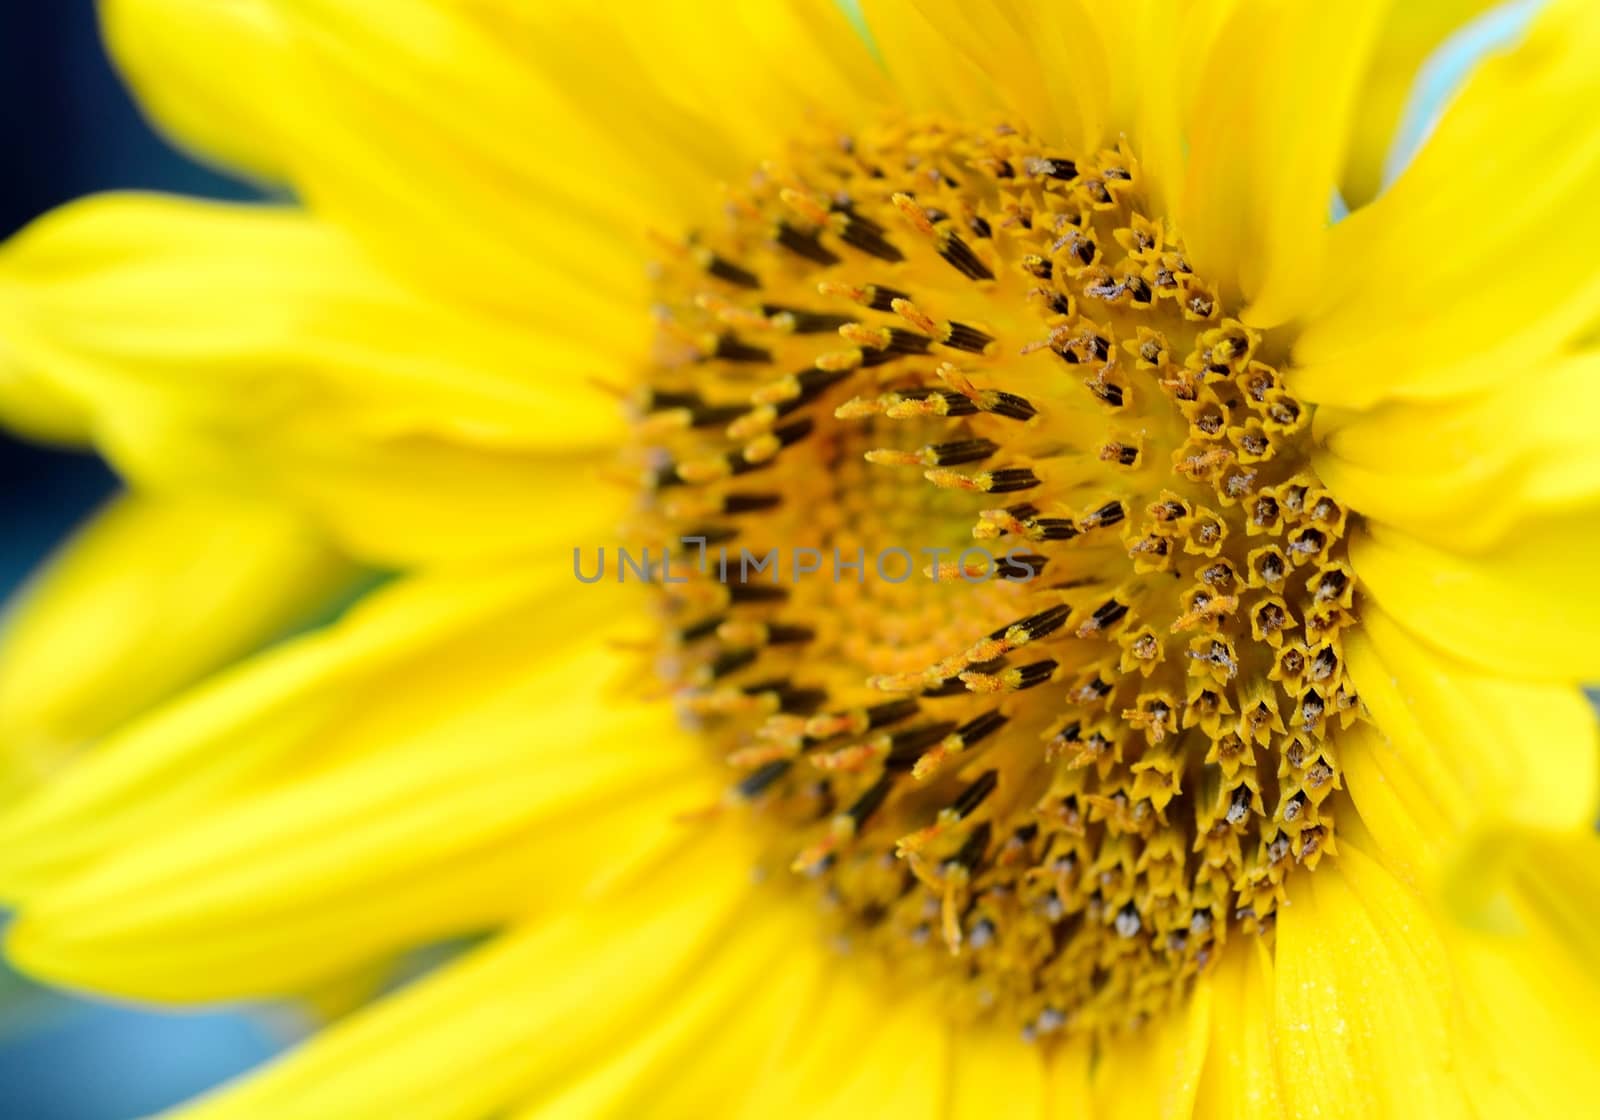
<point x="933" y="578"/>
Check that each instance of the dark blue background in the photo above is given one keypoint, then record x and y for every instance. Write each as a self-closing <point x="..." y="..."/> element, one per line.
<point x="67" y="128"/>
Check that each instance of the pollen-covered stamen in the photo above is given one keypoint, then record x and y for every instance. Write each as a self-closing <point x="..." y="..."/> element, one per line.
<point x="1019" y="616"/>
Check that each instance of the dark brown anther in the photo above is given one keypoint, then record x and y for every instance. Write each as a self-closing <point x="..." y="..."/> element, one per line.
<point x="1038" y="625"/>
<point x="969" y="339"/>
<point x="1108" y="514"/>
<point x="1038" y="267"/>
<point x="731" y="273"/>
<point x="731" y="661"/>
<point x="961" y="257"/>
<point x="973" y="850"/>
<point x="806" y="322"/>
<point x="1052" y="529"/>
<point x="890" y="712"/>
<point x="1108" y="391"/>
<point x="805" y="244"/>
<point x="1010" y="405"/>
<point x="758" y="782"/>
<point x="979" y="728"/>
<point x="868" y="237"/>
<point x="1012" y="479"/>
<point x="750" y="503"/>
<point x="905" y="747"/>
<point x="973" y="796"/>
<point x="870" y="801"/>
<point x="1035" y="674"/>
<point x="1064" y="170"/>
<point x="1019" y="567"/>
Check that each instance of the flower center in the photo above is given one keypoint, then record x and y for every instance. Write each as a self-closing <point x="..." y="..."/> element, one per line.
<point x="998" y="572"/>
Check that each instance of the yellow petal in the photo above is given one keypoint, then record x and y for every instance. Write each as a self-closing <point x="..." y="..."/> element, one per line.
<point x="854" y="1053"/>
<point x="1411" y="32"/>
<point x="35" y="409"/>
<point x="401" y="129"/>
<point x="899" y="1068"/>
<point x="1267" y="146"/>
<point x="518" y="1015"/>
<point x="988" y="1061"/>
<point x="1364" y="998"/>
<point x="1461" y="473"/>
<point x="1521" y="609"/>
<point x="1159" y="50"/>
<point x="251" y="350"/>
<point x="1154" y="1074"/>
<point x="1069" y="1085"/>
<point x="1529" y="989"/>
<point x="414" y="657"/>
<point x="1410" y="804"/>
<point x="333" y="999"/>
<point x="1457" y="747"/>
<point x="1427" y="295"/>
<point x="639" y="1072"/>
<point x="1018" y="47"/>
<point x="151" y="595"/>
<point x="751" y="70"/>
<point x="207" y="72"/>
<point x="1240" y="1080"/>
<point x="930" y="70"/>
<point x="448" y="833"/>
<point x="727" y="1056"/>
<point x="1134" y="71"/>
<point x="419" y="500"/>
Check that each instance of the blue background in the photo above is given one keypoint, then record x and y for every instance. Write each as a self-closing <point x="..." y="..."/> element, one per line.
<point x="68" y="128"/>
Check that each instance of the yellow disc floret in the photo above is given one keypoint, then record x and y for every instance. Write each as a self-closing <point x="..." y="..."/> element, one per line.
<point x="997" y="569"/>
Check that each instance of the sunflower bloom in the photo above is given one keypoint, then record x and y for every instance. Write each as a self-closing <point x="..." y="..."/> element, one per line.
<point x="1101" y="639"/>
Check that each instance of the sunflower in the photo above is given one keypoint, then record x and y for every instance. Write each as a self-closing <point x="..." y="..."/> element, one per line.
<point x="926" y="578"/>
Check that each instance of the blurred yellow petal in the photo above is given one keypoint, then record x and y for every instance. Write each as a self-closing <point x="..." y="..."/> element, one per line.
<point x="931" y="71"/>
<point x="1364" y="998"/>
<point x="637" y="1073"/>
<point x="1428" y="289"/>
<point x="433" y="836"/>
<point x="1069" y="1087"/>
<point x="33" y="408"/>
<point x="1534" y="1048"/>
<point x="1267" y="146"/>
<point x="336" y="997"/>
<point x="724" y="1061"/>
<point x="1014" y="45"/>
<point x="422" y="655"/>
<point x="1410" y="804"/>
<point x="987" y="1059"/>
<point x="1528" y="972"/>
<point x="208" y="72"/>
<point x="1156" y="1074"/>
<point x="251" y="350"/>
<point x="1159" y="51"/>
<point x="739" y="66"/>
<point x="1240" y="1079"/>
<point x="152" y="594"/>
<point x="1411" y="32"/>
<point x="898" y="1068"/>
<point x="1456" y="747"/>
<point x="1462" y="473"/>
<point x="401" y="126"/>
<point x="837" y="1062"/>
<point x="519" y="1014"/>
<point x="1522" y="608"/>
